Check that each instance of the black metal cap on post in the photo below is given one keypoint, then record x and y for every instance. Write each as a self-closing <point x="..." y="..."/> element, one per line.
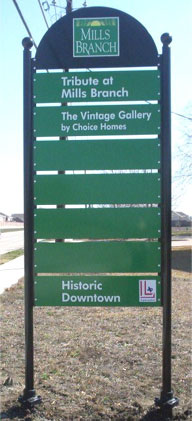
<point x="166" y="38"/>
<point x="27" y="43"/>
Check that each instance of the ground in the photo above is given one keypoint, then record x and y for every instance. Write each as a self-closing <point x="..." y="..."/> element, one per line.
<point x="96" y="363"/>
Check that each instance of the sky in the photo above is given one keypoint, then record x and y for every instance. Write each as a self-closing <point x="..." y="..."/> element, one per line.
<point x="158" y="17"/>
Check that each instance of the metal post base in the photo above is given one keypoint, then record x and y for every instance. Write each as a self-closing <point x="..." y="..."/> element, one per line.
<point x="29" y="398"/>
<point x="166" y="400"/>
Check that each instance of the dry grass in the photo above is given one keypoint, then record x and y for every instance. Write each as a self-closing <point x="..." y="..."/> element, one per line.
<point x="95" y="363"/>
<point x="4" y="258"/>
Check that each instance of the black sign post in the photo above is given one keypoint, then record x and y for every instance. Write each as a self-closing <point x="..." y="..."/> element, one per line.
<point x="29" y="397"/>
<point x="167" y="401"/>
<point x="57" y="50"/>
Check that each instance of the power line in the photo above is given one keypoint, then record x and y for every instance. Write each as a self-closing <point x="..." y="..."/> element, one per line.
<point x="42" y="11"/>
<point x="24" y="22"/>
<point x="183" y="116"/>
<point x="172" y="112"/>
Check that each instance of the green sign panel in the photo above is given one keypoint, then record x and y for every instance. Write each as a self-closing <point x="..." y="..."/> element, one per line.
<point x="97" y="86"/>
<point x="96" y="37"/>
<point x="97" y="189"/>
<point x="98" y="223"/>
<point x="97" y="120"/>
<point x="114" y="238"/>
<point x="97" y="291"/>
<point x="98" y="257"/>
<point x="97" y="154"/>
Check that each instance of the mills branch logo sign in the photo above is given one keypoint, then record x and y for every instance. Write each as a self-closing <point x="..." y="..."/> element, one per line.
<point x="96" y="37"/>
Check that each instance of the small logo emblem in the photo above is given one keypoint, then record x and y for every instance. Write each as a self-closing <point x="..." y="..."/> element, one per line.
<point x="96" y="37"/>
<point x="147" y="290"/>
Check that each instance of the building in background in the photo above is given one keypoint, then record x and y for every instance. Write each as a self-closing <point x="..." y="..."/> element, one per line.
<point x="5" y="218"/>
<point x="17" y="217"/>
<point x="180" y="219"/>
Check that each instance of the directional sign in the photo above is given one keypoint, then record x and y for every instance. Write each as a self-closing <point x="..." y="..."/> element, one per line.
<point x="97" y="86"/>
<point x="97" y="173"/>
<point x="97" y="120"/>
<point x="121" y="227"/>
<point x="100" y="291"/>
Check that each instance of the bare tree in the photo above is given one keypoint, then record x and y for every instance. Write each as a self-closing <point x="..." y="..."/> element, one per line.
<point x="183" y="176"/>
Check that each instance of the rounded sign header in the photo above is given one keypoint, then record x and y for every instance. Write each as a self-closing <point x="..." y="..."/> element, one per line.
<point x="96" y="37"/>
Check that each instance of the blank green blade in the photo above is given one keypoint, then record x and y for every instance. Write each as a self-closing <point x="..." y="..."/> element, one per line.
<point x="98" y="223"/>
<point x="97" y="189"/>
<point x="103" y="257"/>
<point x="100" y="154"/>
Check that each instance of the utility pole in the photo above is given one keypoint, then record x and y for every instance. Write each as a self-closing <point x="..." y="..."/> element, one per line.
<point x="69" y="7"/>
<point x="68" y="10"/>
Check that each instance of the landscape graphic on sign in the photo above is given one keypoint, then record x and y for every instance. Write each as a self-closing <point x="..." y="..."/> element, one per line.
<point x="96" y="37"/>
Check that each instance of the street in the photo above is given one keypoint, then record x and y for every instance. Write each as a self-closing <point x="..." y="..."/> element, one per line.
<point x="10" y="241"/>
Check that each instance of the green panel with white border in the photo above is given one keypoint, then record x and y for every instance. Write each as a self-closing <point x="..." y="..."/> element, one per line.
<point x="142" y="85"/>
<point x="98" y="291"/>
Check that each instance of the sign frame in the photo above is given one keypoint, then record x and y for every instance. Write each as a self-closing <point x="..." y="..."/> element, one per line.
<point x="46" y="60"/>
